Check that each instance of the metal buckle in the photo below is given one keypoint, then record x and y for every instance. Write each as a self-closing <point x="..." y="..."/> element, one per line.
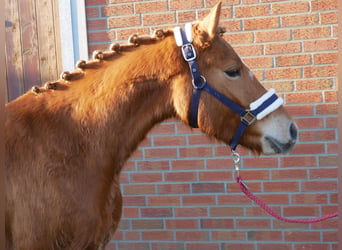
<point x="202" y="83"/>
<point x="248" y="118"/>
<point x="189" y="52"/>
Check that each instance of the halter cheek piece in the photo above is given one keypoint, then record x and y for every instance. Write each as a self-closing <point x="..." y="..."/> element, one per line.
<point x="258" y="109"/>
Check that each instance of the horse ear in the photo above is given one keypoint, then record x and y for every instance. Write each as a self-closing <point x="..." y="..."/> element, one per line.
<point x="210" y="23"/>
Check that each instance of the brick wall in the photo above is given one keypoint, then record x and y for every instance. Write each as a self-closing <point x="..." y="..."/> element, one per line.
<point x="178" y="187"/>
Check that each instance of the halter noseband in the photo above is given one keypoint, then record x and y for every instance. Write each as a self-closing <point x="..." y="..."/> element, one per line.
<point x="258" y="109"/>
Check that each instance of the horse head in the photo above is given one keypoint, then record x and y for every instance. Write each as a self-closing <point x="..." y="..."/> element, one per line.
<point x="223" y="75"/>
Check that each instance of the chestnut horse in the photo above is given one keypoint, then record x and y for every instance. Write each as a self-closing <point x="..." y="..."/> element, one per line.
<point x="67" y="141"/>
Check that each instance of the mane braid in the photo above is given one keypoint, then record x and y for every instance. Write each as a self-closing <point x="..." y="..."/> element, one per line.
<point x="98" y="56"/>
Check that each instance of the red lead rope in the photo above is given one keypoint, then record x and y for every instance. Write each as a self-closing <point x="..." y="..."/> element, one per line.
<point x="244" y="189"/>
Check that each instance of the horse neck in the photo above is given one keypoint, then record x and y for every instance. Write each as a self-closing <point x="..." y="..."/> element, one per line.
<point x="126" y="97"/>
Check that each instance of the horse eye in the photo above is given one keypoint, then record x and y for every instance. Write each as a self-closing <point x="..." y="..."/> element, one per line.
<point x="233" y="73"/>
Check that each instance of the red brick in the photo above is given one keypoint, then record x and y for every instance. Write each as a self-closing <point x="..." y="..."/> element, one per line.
<point x="232" y="25"/>
<point x="308" y="198"/>
<point x="124" y="34"/>
<point x="330" y="96"/>
<point x="289" y="174"/>
<point x="191" y="212"/>
<point x="157" y="19"/>
<point x="252" y="223"/>
<point x="206" y="200"/>
<point x="227" y="211"/>
<point x="217" y="223"/>
<point x="169" y="140"/>
<point x="175" y="188"/>
<point x="332" y="147"/>
<point x="100" y="36"/>
<point x="300" y="110"/>
<point x="117" y="10"/>
<point x="311" y="33"/>
<point x="156" y="212"/>
<point x="153" y="165"/>
<point x="187" y="164"/>
<point x="328" y="160"/>
<point x="157" y="153"/>
<point x="239" y="38"/>
<point x="195" y="152"/>
<point x="319" y="186"/>
<point x="307" y="97"/>
<point x="320" y="71"/>
<point x="167" y="245"/>
<point x="301" y="211"/>
<point x="149" y="7"/>
<point x="320" y="45"/>
<point x="199" y="139"/>
<point x="244" y="246"/>
<point x="186" y="16"/>
<point x="292" y="7"/>
<point x="313" y="84"/>
<point x="309" y="122"/>
<point x="192" y="236"/>
<point x="232" y="199"/>
<point x="228" y="235"/>
<point x="202" y="246"/>
<point x="181" y="5"/>
<point x="302" y="236"/>
<point x="312" y="148"/>
<point x="264" y="236"/>
<point x="215" y="175"/>
<point x="282" y="48"/>
<point x="147" y="224"/>
<point x="138" y="189"/>
<point x="279" y="186"/>
<point x="272" y="36"/>
<point x="130" y="212"/>
<point x="280" y="86"/>
<point x="258" y="62"/>
<point x="146" y="177"/>
<point x="323" y="173"/>
<point x="312" y="246"/>
<point x="180" y="176"/>
<point x="163" y="200"/>
<point x="293" y="60"/>
<point x="261" y="23"/>
<point x="251" y="11"/>
<point x="328" y="17"/>
<point x="324" y="5"/>
<point x="248" y="50"/>
<point x="299" y="20"/>
<point x="121" y="22"/>
<point x="96" y="24"/>
<point x="283" y="73"/>
<point x="272" y="246"/>
<point x="95" y="2"/>
<point x="92" y="12"/>
<point x="235" y="188"/>
<point x="327" y="109"/>
<point x="133" y="245"/>
<point x="207" y="187"/>
<point x="181" y="223"/>
<point x="297" y="161"/>
<point x="256" y="211"/>
<point x="157" y="235"/>
<point x="317" y="135"/>
<point x="133" y="201"/>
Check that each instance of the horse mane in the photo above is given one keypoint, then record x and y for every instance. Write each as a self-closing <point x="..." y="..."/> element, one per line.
<point x="99" y="56"/>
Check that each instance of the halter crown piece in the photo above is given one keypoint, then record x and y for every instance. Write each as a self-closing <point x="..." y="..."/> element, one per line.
<point x="258" y="109"/>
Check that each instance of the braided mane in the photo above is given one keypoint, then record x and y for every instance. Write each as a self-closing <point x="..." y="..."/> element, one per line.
<point x="98" y="56"/>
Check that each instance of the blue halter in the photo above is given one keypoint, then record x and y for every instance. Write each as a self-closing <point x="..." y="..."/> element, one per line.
<point x="258" y="109"/>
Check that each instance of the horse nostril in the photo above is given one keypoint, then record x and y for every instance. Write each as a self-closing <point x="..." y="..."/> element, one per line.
<point x="293" y="131"/>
